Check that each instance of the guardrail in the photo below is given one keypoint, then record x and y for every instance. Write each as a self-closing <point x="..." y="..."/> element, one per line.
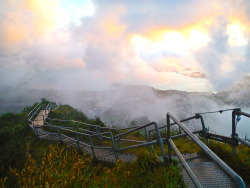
<point x="234" y="139"/>
<point x="34" y="113"/>
<point x="204" y="130"/>
<point x="115" y="140"/>
<point x="233" y="175"/>
<point x="236" y="117"/>
<point x="80" y="134"/>
<point x="147" y="143"/>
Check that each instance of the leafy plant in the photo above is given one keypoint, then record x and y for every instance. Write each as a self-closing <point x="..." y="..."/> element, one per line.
<point x="66" y="168"/>
<point x="239" y="162"/>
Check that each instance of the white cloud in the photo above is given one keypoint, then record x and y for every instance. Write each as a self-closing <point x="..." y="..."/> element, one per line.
<point x="95" y="49"/>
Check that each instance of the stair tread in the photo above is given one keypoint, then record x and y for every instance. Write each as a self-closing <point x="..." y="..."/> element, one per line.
<point x="208" y="174"/>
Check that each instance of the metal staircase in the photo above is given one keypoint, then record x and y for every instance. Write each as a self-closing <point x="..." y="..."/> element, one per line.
<point x="197" y="171"/>
<point x="208" y="174"/>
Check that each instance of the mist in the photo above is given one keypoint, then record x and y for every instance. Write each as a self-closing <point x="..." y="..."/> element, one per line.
<point x="166" y="56"/>
<point x="130" y="105"/>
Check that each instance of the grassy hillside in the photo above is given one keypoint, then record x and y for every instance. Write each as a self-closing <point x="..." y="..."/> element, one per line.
<point x="26" y="161"/>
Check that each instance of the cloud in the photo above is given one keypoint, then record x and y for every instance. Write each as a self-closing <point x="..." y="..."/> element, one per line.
<point x="222" y="64"/>
<point x="177" y="44"/>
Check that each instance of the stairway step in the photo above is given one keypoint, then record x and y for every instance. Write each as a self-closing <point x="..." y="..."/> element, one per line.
<point x="208" y="174"/>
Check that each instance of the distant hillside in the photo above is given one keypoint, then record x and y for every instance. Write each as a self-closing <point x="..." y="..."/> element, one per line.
<point x="124" y="103"/>
<point x="15" y="99"/>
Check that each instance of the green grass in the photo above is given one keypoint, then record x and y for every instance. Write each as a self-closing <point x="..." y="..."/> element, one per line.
<point x="67" y="168"/>
<point x="240" y="162"/>
<point x="66" y="112"/>
<point x="26" y="161"/>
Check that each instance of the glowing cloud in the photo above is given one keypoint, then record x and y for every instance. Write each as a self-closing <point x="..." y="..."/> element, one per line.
<point x="160" y="43"/>
<point x="237" y="34"/>
<point x="173" y="42"/>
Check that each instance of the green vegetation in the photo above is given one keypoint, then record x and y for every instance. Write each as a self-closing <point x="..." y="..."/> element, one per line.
<point x="240" y="162"/>
<point x="13" y="138"/>
<point x="27" y="161"/>
<point x="66" y="168"/>
<point x="66" y="112"/>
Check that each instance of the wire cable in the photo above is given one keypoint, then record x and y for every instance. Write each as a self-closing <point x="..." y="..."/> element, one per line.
<point x="220" y="111"/>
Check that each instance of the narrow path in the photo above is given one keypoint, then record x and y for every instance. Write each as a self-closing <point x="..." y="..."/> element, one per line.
<point x="106" y="155"/>
<point x="207" y="172"/>
<point x="41" y="117"/>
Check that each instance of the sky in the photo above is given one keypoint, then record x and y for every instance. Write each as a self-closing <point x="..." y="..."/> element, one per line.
<point x="190" y="45"/>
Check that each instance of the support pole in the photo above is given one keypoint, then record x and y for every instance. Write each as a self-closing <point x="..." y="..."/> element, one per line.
<point x="148" y="139"/>
<point x="114" y="146"/>
<point x="204" y="129"/>
<point x="59" y="134"/>
<point x="92" y="147"/>
<point x="118" y="139"/>
<point x="234" y="134"/>
<point x="160" y="142"/>
<point x="152" y="146"/>
<point x="168" y="137"/>
<point x="77" y="138"/>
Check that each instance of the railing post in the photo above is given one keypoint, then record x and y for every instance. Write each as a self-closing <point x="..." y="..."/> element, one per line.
<point x="179" y="130"/>
<point x="168" y="137"/>
<point x="118" y="139"/>
<point x="151" y="146"/>
<point x="98" y="131"/>
<point x="235" y="143"/>
<point x="92" y="147"/>
<point x="160" y="141"/>
<point x="77" y="138"/>
<point x="59" y="134"/>
<point x="114" y="146"/>
<point x="147" y="138"/>
<point x="204" y="129"/>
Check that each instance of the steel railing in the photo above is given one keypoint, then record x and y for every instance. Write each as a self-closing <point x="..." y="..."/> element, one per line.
<point x="235" y="113"/>
<point x="142" y="144"/>
<point x="85" y="137"/>
<point x="233" y="175"/>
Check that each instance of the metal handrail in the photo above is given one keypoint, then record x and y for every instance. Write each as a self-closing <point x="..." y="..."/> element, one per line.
<point x="32" y="113"/>
<point x="234" y="134"/>
<point x="99" y="127"/>
<point x="197" y="116"/>
<point x="159" y="141"/>
<point x="233" y="175"/>
<point x="73" y="121"/>
<point x="118" y="137"/>
<point x="242" y="141"/>
<point x="114" y="138"/>
<point x="33" y="109"/>
<point x="243" y="113"/>
<point x="91" y="125"/>
<point x="185" y="164"/>
<point x="99" y="134"/>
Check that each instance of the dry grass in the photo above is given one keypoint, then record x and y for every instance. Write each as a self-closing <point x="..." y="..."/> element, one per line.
<point x="66" y="168"/>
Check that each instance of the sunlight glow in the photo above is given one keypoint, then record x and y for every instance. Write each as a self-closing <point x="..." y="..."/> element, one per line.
<point x="172" y="42"/>
<point x="236" y="35"/>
